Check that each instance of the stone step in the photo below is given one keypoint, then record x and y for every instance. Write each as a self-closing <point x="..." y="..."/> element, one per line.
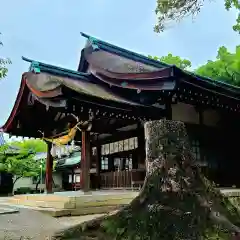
<point x="54" y="212"/>
<point x="74" y="203"/>
<point x="57" y="209"/>
<point x="43" y="204"/>
<point x="102" y="202"/>
<point x="93" y="210"/>
<point x="43" y="197"/>
<point x="77" y="212"/>
<point x="78" y="202"/>
<point x="100" y="196"/>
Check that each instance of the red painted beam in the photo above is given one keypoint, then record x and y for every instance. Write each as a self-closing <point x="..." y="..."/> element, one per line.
<point x="85" y="161"/>
<point x="49" y="169"/>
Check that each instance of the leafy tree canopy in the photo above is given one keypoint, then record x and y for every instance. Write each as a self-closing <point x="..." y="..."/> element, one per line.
<point x="4" y="62"/>
<point x="174" y="60"/>
<point x="20" y="163"/>
<point x="172" y="10"/>
<point x="34" y="145"/>
<point x="225" y="68"/>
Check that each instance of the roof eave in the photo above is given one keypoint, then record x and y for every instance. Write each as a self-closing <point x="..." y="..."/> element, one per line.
<point x="43" y="67"/>
<point x="6" y="126"/>
<point x="143" y="59"/>
<point x="55" y="69"/>
<point x="125" y="53"/>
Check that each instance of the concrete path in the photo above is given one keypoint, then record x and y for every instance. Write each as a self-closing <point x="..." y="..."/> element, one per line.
<point x="30" y="224"/>
<point x="7" y="210"/>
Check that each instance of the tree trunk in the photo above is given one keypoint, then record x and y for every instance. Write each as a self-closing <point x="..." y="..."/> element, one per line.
<point x="54" y="185"/>
<point x="38" y="182"/>
<point x="176" y="201"/>
<point x="15" y="180"/>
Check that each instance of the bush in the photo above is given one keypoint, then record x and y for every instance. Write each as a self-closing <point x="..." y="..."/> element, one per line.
<point x="23" y="190"/>
<point x="34" y="191"/>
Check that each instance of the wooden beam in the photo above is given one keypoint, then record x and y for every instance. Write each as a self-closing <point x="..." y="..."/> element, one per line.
<point x="85" y="161"/>
<point x="49" y="169"/>
<point x="108" y="127"/>
<point x="117" y="136"/>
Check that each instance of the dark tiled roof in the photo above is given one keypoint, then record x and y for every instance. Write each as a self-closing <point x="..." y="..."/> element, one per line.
<point x="146" y="60"/>
<point x="136" y="93"/>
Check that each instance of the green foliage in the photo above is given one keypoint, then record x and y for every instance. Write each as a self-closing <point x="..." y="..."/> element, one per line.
<point x="37" y="167"/>
<point x="173" y="60"/>
<point x="35" y="145"/>
<point x="23" y="190"/>
<point x="171" y="10"/>
<point x="225" y="68"/>
<point x="3" y="149"/>
<point x="4" y="62"/>
<point x="20" y="163"/>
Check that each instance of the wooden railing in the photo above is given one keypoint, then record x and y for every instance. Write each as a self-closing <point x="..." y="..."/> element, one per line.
<point x="123" y="179"/>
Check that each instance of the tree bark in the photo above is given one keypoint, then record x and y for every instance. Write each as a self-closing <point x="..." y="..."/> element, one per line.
<point x="38" y="181"/>
<point x="176" y="201"/>
<point x="14" y="182"/>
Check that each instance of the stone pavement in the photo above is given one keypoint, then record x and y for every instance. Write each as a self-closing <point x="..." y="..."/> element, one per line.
<point x="7" y="210"/>
<point x="30" y="224"/>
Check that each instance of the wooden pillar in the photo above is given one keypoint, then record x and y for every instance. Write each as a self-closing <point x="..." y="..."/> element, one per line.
<point x="85" y="161"/>
<point x="49" y="169"/>
<point x="98" y="166"/>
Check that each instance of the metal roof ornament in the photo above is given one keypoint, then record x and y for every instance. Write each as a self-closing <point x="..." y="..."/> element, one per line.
<point x="93" y="42"/>
<point x="35" y="67"/>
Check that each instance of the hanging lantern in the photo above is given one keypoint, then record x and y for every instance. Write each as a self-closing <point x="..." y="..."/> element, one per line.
<point x="53" y="150"/>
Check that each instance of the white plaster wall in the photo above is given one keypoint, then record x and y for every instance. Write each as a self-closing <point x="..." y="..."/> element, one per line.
<point x="185" y="113"/>
<point x="27" y="182"/>
<point x="23" y="182"/>
<point x="210" y="117"/>
<point x="78" y="170"/>
<point x="57" y="177"/>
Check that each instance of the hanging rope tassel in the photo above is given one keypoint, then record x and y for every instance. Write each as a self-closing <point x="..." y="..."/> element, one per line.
<point x="63" y="140"/>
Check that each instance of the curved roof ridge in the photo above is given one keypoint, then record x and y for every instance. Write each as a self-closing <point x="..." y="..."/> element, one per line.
<point x="141" y="58"/>
<point x="55" y="69"/>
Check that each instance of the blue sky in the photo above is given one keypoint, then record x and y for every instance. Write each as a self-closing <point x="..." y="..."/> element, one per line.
<point x="48" y="31"/>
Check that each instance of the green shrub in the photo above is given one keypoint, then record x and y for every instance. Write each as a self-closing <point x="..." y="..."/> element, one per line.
<point x="23" y="190"/>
